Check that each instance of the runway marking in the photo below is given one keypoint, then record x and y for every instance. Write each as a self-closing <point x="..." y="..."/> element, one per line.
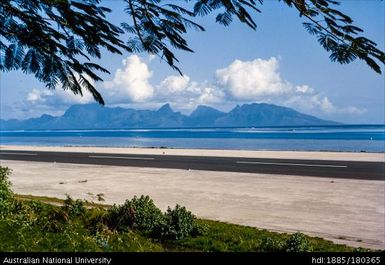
<point x="124" y="157"/>
<point x="290" y="164"/>
<point x="18" y="154"/>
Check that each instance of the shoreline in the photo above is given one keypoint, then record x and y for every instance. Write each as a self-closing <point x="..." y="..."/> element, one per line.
<point x="305" y="155"/>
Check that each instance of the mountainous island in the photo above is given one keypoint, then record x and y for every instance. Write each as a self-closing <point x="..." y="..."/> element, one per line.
<point x="94" y="116"/>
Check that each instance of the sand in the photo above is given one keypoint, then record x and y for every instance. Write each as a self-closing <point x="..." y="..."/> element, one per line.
<point x="343" y="210"/>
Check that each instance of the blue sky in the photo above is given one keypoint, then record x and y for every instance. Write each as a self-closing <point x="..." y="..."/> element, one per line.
<point x="278" y="63"/>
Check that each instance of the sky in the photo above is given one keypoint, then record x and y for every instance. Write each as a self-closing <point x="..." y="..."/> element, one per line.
<point x="279" y="63"/>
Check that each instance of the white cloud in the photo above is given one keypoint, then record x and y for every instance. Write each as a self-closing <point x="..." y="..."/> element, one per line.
<point x="317" y="104"/>
<point x="304" y="89"/>
<point x="185" y="95"/>
<point x="240" y="82"/>
<point x="68" y="97"/>
<point x="38" y="95"/>
<point x="60" y="96"/>
<point x="260" y="80"/>
<point x="252" y="80"/>
<point x="173" y="84"/>
<point x="130" y="83"/>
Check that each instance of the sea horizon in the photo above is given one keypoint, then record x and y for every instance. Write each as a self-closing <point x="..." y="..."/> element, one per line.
<point x="348" y="138"/>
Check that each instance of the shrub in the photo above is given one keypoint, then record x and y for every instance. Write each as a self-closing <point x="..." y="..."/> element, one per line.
<point x="74" y="207"/>
<point x="180" y="223"/>
<point x="6" y="195"/>
<point x="269" y="244"/>
<point x="5" y="185"/>
<point x="137" y="214"/>
<point x="142" y="215"/>
<point x="298" y="242"/>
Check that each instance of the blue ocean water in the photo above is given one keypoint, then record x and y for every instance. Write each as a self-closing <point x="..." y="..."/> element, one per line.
<point x="355" y="138"/>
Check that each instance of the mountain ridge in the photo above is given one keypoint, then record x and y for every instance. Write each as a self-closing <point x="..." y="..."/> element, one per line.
<point x="94" y="116"/>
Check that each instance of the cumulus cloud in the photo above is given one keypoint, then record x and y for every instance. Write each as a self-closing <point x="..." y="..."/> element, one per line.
<point x="174" y="84"/>
<point x="258" y="80"/>
<point x="44" y="101"/>
<point x="60" y="96"/>
<point x="68" y="97"/>
<point x="252" y="80"/>
<point x="130" y="83"/>
<point x="187" y="95"/>
<point x="38" y="95"/>
<point x="316" y="103"/>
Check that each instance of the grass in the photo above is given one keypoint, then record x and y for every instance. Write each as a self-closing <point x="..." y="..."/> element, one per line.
<point x="55" y="201"/>
<point x="236" y="238"/>
<point x="76" y="236"/>
<point x="38" y="223"/>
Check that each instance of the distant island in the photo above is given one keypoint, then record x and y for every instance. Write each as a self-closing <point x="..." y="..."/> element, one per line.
<point x="94" y="116"/>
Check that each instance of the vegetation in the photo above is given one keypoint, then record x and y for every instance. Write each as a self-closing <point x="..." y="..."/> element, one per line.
<point x="28" y="224"/>
<point x="58" y="41"/>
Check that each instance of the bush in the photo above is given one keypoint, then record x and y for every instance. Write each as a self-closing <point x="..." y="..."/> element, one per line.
<point x="74" y="207"/>
<point x="142" y="215"/>
<point x="269" y="244"/>
<point x="6" y="195"/>
<point x="298" y="242"/>
<point x="137" y="214"/>
<point x="180" y="223"/>
<point x="5" y="185"/>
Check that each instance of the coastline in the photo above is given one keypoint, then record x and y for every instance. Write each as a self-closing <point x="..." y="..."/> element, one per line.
<point x="305" y="155"/>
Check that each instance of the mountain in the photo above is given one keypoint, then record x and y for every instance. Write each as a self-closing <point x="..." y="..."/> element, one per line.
<point x="94" y="116"/>
<point x="267" y="115"/>
<point x="204" y="116"/>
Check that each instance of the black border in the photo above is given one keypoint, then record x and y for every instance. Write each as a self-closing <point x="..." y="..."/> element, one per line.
<point x="211" y="258"/>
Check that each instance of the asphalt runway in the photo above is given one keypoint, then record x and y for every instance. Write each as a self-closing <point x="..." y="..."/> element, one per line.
<point x="316" y="168"/>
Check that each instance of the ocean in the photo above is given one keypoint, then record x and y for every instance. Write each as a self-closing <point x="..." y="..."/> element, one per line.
<point x="353" y="138"/>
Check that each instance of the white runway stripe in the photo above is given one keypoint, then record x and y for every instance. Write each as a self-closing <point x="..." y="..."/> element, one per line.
<point x="18" y="154"/>
<point x="124" y="157"/>
<point x="290" y="164"/>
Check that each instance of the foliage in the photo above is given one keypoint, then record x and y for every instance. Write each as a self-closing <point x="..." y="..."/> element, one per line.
<point x="155" y="27"/>
<point x="336" y="32"/>
<point x="136" y="214"/>
<point x="6" y="194"/>
<point x="74" y="207"/>
<point x="5" y="185"/>
<point x="221" y="237"/>
<point x="142" y="215"/>
<point x="58" y="41"/>
<point x="269" y="244"/>
<point x="298" y="242"/>
<point x="55" y="40"/>
<point x="180" y="223"/>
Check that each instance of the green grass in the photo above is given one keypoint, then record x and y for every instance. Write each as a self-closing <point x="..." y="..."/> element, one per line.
<point x="236" y="238"/>
<point x="37" y="223"/>
<point x="55" y="201"/>
<point x="76" y="235"/>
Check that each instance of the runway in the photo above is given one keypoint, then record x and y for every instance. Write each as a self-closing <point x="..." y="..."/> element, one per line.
<point x="299" y="167"/>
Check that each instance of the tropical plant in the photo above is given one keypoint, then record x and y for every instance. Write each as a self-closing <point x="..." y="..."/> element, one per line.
<point x="180" y="223"/>
<point x="298" y="242"/>
<point x="139" y="214"/>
